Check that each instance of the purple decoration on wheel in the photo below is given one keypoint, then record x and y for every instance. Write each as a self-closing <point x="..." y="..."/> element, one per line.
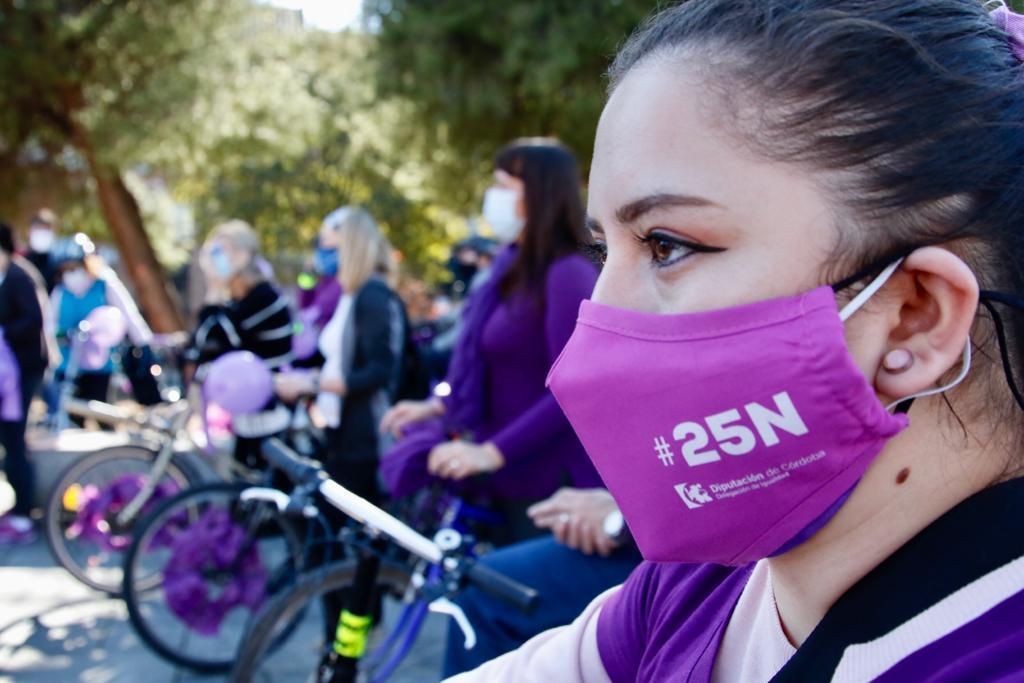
<point x="99" y="507"/>
<point x="215" y="567"/>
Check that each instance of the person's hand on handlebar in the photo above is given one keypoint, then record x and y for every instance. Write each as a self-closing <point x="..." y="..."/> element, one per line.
<point x="405" y="413"/>
<point x="461" y="459"/>
<point x="577" y="517"/>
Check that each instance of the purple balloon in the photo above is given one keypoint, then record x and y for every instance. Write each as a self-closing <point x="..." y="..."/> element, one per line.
<point x="305" y="339"/>
<point x="92" y="356"/>
<point x="106" y="326"/>
<point x="239" y="383"/>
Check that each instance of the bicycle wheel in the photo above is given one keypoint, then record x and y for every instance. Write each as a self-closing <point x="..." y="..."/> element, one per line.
<point x="200" y="566"/>
<point x="82" y="527"/>
<point x="260" y="657"/>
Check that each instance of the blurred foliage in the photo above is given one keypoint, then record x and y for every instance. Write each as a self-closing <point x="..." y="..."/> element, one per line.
<point x="292" y="131"/>
<point x="477" y="74"/>
<point x="107" y="78"/>
<point x="233" y="108"/>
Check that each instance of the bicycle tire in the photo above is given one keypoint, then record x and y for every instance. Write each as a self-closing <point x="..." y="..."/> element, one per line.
<point x="262" y="636"/>
<point x="134" y="590"/>
<point x="58" y="516"/>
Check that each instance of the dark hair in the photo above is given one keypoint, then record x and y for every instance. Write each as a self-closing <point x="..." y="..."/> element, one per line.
<point x="6" y="239"/>
<point x="554" y="210"/>
<point x="911" y="112"/>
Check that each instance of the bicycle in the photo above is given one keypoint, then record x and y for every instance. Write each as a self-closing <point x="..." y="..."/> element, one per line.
<point x="96" y="502"/>
<point x="204" y="560"/>
<point x="392" y="558"/>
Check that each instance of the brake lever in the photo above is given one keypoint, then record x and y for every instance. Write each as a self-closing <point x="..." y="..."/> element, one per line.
<point x="262" y="493"/>
<point x="449" y="608"/>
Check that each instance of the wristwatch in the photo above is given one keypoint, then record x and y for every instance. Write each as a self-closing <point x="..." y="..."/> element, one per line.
<point x="614" y="525"/>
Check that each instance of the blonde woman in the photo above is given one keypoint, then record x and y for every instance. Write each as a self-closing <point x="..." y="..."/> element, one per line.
<point x="362" y="348"/>
<point x="242" y="310"/>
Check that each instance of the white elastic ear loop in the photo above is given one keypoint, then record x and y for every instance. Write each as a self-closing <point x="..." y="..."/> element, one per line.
<point x="964" y="369"/>
<point x="869" y="291"/>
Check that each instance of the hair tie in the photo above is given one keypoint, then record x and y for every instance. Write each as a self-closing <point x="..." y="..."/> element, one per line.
<point x="1013" y="24"/>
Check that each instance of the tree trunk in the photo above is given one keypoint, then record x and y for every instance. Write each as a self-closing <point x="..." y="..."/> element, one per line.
<point x="121" y="212"/>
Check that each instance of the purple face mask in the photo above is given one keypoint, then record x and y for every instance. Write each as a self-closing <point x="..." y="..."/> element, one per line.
<point x="726" y="436"/>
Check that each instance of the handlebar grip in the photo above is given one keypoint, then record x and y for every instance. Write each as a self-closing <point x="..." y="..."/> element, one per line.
<point x="300" y="470"/>
<point x="502" y="587"/>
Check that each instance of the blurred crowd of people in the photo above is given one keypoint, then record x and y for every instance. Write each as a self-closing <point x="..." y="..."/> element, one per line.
<point x="452" y="395"/>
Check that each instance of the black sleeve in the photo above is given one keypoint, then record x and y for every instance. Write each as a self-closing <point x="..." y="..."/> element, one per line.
<point x="373" y="321"/>
<point x="26" y="326"/>
<point x="214" y="335"/>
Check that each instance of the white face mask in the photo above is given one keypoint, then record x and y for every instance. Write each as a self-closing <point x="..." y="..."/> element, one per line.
<point x="40" y="240"/>
<point x="77" y="281"/>
<point x="500" y="213"/>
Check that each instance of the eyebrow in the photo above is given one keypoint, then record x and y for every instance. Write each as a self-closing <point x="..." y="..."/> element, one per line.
<point x="635" y="210"/>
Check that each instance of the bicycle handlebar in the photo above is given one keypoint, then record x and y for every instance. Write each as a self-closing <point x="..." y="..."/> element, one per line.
<point x="300" y="469"/>
<point x="502" y="587"/>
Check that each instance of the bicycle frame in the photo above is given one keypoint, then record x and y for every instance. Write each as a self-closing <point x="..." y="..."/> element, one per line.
<point x="165" y="435"/>
<point x="445" y="572"/>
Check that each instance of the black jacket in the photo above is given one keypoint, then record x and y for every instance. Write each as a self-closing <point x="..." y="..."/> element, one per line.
<point x="380" y="328"/>
<point x="22" y="320"/>
<point x="261" y="323"/>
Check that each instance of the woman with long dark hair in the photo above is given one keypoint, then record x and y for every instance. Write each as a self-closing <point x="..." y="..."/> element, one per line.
<point x="500" y="432"/>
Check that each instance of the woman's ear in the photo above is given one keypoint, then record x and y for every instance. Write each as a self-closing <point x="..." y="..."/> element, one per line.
<point x="933" y="299"/>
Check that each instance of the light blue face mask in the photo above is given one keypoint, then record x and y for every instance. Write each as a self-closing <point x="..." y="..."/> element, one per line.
<point x="221" y="263"/>
<point x="326" y="261"/>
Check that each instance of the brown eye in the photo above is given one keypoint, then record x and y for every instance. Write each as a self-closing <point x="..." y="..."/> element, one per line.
<point x="666" y="251"/>
<point x="662" y="250"/>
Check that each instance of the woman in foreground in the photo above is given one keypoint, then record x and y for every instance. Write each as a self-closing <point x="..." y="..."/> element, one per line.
<point x="797" y="375"/>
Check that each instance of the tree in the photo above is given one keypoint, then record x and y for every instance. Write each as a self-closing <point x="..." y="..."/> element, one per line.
<point x="294" y="132"/>
<point x="477" y="74"/>
<point x="107" y="77"/>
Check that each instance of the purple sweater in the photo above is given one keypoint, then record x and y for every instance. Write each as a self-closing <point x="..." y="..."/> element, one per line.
<point x="966" y="570"/>
<point x="520" y="342"/>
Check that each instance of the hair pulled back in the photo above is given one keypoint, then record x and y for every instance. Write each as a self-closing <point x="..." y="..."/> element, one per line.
<point x="910" y="112"/>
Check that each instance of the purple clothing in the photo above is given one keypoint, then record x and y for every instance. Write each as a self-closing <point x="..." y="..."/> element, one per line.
<point x="467" y="376"/>
<point x="324" y="297"/>
<point x="519" y="343"/>
<point x="986" y="649"/>
<point x="667" y="622"/>
<point x="10" y="384"/>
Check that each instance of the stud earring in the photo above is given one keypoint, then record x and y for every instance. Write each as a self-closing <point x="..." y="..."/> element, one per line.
<point x="898" y="360"/>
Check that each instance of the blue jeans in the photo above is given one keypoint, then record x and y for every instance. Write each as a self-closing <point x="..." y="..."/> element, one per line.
<point x="566" y="579"/>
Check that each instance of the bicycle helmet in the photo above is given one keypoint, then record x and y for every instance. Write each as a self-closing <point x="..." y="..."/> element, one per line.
<point x="71" y="250"/>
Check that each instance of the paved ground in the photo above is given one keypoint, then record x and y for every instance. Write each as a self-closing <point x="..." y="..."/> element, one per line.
<point x="53" y="629"/>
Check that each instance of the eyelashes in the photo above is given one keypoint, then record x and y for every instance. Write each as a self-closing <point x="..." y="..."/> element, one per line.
<point x="597" y="252"/>
<point x="665" y="250"/>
